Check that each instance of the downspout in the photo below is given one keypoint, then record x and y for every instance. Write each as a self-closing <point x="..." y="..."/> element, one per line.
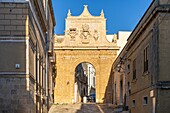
<point x="125" y="86"/>
<point x="47" y="76"/>
<point x="47" y="97"/>
<point x="157" y="61"/>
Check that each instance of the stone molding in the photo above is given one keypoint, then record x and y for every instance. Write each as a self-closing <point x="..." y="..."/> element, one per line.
<point x="15" y="1"/>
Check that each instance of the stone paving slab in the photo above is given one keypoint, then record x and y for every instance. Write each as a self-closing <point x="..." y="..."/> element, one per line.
<point x="82" y="108"/>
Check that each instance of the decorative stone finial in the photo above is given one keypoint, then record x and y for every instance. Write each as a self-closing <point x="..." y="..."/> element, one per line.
<point x="85" y="6"/>
<point x="69" y="13"/>
<point x="85" y="12"/>
<point x="102" y="13"/>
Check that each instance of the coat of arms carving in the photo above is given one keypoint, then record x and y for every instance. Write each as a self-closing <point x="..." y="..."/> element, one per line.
<point x="72" y="32"/>
<point x="85" y="34"/>
<point x="96" y="35"/>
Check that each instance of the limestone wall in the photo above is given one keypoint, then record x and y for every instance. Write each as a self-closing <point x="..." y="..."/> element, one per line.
<point x="13" y="19"/>
<point x="14" y="96"/>
<point x="164" y="63"/>
<point x="66" y="62"/>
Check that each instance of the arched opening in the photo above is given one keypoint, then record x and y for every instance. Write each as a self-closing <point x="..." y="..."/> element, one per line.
<point x="85" y="82"/>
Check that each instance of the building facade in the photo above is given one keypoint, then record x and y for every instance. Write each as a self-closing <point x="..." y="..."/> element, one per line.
<point x="26" y="55"/>
<point x="143" y="65"/>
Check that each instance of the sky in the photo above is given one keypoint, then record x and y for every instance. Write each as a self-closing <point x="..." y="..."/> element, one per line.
<point x="121" y="15"/>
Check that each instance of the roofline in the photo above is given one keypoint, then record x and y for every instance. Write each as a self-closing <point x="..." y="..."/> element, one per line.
<point x="52" y="12"/>
<point x="153" y="9"/>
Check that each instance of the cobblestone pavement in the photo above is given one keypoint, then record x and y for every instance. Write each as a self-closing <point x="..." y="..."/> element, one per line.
<point x="82" y="108"/>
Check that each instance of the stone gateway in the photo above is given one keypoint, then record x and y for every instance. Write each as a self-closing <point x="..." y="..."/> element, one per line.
<point x="84" y="41"/>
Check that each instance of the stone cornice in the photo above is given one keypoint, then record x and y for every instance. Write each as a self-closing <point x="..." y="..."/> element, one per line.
<point x="14" y="1"/>
<point x="87" y="48"/>
<point x="52" y="12"/>
<point x="41" y="14"/>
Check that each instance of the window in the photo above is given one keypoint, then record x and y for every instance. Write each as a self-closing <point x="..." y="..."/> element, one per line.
<point x="146" y="59"/>
<point x="129" y="89"/>
<point x="145" y="100"/>
<point x="134" y="69"/>
<point x="133" y="103"/>
<point x="128" y="68"/>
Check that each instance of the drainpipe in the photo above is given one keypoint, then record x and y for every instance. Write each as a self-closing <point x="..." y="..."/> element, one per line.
<point x="157" y="63"/>
<point x="47" y="76"/>
<point x="47" y="97"/>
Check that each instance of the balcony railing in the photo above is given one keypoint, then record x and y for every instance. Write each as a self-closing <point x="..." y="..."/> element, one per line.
<point x="50" y="48"/>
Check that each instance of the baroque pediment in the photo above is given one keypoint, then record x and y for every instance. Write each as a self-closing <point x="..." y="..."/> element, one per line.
<point x="84" y="31"/>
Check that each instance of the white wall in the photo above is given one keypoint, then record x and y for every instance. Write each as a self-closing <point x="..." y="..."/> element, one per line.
<point x="110" y="37"/>
<point x="122" y="39"/>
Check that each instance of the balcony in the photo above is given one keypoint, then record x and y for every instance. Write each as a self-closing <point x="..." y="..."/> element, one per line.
<point x="50" y="47"/>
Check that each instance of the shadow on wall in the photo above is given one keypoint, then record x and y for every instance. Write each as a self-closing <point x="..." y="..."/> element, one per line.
<point x="108" y="97"/>
<point x="17" y="97"/>
<point x="14" y="97"/>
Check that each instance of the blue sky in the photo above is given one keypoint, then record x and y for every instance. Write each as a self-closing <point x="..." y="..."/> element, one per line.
<point x="122" y="15"/>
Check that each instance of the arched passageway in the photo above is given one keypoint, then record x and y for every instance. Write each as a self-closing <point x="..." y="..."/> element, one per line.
<point x="85" y="82"/>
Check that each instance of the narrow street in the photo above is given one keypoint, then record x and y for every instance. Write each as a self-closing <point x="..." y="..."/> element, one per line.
<point x="82" y="108"/>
